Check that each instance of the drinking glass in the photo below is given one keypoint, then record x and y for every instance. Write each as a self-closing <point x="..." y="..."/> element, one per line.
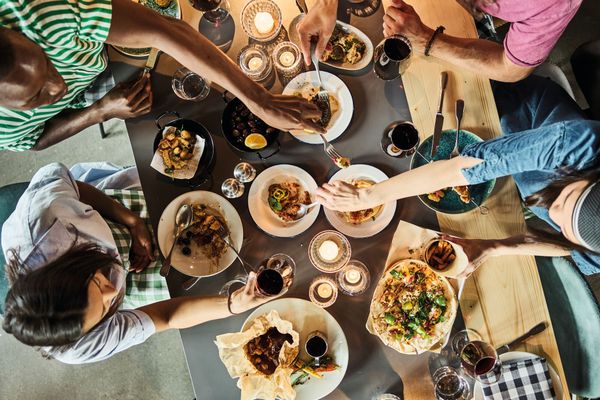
<point x="480" y="360"/>
<point x="354" y="278"/>
<point x="391" y="57"/>
<point x="276" y="275"/>
<point x="461" y="338"/>
<point x="450" y="385"/>
<point x="400" y="139"/>
<point x="188" y="85"/>
<point x="323" y="291"/>
<point x="215" y="11"/>
<point x="244" y="172"/>
<point x="232" y="188"/>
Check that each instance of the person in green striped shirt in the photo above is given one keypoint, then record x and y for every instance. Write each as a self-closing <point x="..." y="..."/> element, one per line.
<point x="52" y="51"/>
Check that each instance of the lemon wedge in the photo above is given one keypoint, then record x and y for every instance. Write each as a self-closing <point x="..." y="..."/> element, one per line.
<point x="255" y="141"/>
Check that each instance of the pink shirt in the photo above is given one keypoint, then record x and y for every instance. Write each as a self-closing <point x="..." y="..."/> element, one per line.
<point x="536" y="26"/>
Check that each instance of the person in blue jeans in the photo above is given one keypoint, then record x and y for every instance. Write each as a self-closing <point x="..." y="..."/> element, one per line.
<point x="552" y="152"/>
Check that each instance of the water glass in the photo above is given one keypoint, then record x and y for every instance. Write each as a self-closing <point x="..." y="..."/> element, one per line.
<point x="232" y="188"/>
<point x="188" y="85"/>
<point x="450" y="385"/>
<point x="244" y="172"/>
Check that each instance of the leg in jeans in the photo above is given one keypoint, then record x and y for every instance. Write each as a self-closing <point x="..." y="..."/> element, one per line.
<point x="533" y="103"/>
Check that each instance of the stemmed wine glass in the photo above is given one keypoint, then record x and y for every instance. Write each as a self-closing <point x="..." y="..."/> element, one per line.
<point x="478" y="359"/>
<point x="215" y="11"/>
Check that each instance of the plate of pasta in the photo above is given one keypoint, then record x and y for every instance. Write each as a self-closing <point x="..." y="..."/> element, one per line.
<point x="348" y="48"/>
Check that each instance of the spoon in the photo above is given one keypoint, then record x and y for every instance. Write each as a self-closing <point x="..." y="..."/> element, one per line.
<point x="460" y="105"/>
<point x="183" y="220"/>
<point x="303" y="209"/>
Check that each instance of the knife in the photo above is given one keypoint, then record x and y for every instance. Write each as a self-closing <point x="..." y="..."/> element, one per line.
<point x="539" y="328"/>
<point x="439" y="117"/>
<point x="151" y="62"/>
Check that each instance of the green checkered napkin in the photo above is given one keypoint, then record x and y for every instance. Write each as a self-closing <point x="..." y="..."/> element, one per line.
<point x="147" y="286"/>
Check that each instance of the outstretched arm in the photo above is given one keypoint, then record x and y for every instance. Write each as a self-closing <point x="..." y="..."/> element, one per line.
<point x="197" y="53"/>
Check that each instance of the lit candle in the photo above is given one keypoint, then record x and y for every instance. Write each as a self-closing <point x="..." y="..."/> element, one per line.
<point x="352" y="276"/>
<point x="264" y="22"/>
<point x="255" y="63"/>
<point x="287" y="58"/>
<point x="325" y="290"/>
<point x="329" y="250"/>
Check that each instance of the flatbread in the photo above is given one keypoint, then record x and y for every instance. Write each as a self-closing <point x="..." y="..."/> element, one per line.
<point x="406" y="291"/>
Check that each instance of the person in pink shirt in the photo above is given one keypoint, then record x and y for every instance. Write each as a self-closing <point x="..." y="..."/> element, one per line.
<point x="535" y="27"/>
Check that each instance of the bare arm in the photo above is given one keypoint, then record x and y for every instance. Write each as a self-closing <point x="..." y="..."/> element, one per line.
<point x="197" y="53"/>
<point x="481" y="56"/>
<point x="437" y="175"/>
<point x="126" y="100"/>
<point x="317" y="24"/>
<point x="188" y="311"/>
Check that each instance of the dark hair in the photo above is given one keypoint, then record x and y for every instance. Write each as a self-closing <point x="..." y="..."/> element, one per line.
<point x="7" y="52"/>
<point x="548" y="195"/>
<point x="46" y="306"/>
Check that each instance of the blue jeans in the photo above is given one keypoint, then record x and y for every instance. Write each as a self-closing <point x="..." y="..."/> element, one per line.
<point x="544" y="133"/>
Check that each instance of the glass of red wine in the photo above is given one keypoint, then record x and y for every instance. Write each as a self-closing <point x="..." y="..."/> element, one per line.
<point x="481" y="361"/>
<point x="275" y="275"/>
<point x="215" y="11"/>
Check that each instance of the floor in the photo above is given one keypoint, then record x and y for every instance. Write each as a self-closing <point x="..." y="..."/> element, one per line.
<point x="155" y="369"/>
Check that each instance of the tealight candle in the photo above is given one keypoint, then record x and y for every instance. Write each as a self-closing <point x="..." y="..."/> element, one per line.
<point x="329" y="250"/>
<point x="255" y="63"/>
<point x="287" y="58"/>
<point x="264" y="22"/>
<point x="325" y="290"/>
<point x="352" y="275"/>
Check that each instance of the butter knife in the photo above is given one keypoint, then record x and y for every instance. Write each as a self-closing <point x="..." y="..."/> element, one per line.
<point x="539" y="328"/>
<point x="439" y="117"/>
<point x="151" y="61"/>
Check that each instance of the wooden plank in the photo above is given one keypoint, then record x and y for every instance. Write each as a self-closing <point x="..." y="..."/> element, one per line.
<point x="505" y="297"/>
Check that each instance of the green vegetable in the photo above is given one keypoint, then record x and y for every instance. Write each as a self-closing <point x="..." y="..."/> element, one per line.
<point x="389" y="318"/>
<point x="274" y="204"/>
<point x="440" y="301"/>
<point x="422" y="332"/>
<point x="395" y="274"/>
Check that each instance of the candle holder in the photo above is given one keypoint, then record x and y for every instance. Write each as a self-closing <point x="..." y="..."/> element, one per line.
<point x="255" y="63"/>
<point x="323" y="291"/>
<point x="354" y="279"/>
<point x="329" y="251"/>
<point x="287" y="59"/>
<point x="261" y="20"/>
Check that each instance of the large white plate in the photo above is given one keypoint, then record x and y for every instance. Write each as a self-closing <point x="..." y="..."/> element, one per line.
<point x="368" y="228"/>
<point x="306" y="318"/>
<point x="197" y="264"/>
<point x="336" y="87"/>
<point x="259" y="193"/>
<point x="522" y="355"/>
<point x="367" y="57"/>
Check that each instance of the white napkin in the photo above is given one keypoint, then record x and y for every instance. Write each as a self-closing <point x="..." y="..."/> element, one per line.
<point x="186" y="172"/>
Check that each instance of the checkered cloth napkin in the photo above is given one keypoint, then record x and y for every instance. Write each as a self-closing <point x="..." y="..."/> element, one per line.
<point x="147" y="286"/>
<point x="522" y="380"/>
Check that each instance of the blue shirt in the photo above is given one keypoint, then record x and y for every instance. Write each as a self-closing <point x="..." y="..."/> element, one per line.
<point x="557" y="138"/>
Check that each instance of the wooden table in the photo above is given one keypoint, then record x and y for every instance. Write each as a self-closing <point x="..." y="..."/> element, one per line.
<point x="504" y="298"/>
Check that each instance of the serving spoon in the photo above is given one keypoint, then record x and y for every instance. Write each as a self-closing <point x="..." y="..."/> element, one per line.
<point x="183" y="220"/>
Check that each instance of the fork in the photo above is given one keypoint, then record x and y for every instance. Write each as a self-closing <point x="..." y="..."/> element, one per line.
<point x="335" y="156"/>
<point x="460" y="105"/>
<point x="322" y="95"/>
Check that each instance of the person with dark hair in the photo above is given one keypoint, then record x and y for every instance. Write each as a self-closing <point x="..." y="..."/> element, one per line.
<point x="56" y="51"/>
<point x="535" y="27"/>
<point x="549" y="148"/>
<point x="84" y="281"/>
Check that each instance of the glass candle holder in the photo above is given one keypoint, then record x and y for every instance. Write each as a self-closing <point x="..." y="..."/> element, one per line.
<point x="261" y="20"/>
<point x="287" y="59"/>
<point x="323" y="291"/>
<point x="354" y="278"/>
<point x="329" y="251"/>
<point x="255" y="63"/>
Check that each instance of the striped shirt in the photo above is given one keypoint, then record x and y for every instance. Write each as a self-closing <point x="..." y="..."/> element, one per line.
<point x="72" y="33"/>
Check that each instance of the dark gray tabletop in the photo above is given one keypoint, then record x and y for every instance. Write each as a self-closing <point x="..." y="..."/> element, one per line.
<point x="373" y="368"/>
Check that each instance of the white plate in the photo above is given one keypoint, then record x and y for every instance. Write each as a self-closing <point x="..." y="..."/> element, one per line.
<point x="197" y="264"/>
<point x="368" y="228"/>
<point x="367" y="57"/>
<point x="334" y="85"/>
<point x="522" y="355"/>
<point x="258" y="200"/>
<point x="306" y="318"/>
